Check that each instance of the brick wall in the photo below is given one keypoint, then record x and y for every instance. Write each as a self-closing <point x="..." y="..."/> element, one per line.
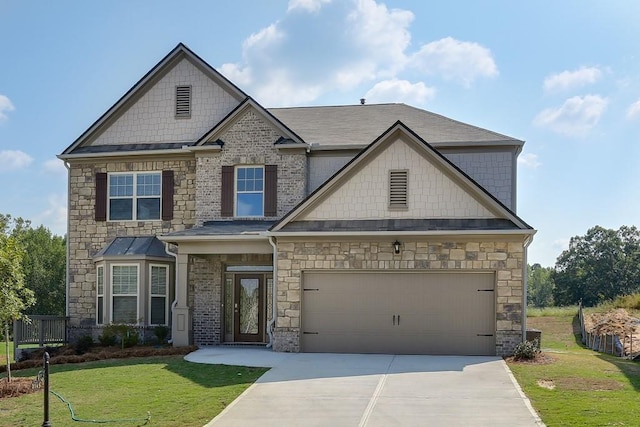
<point x="249" y="142"/>
<point x="504" y="258"/>
<point x="86" y="236"/>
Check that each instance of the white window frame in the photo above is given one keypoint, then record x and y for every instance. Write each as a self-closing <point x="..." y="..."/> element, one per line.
<point x="100" y="278"/>
<point x="113" y="294"/>
<point x="165" y="296"/>
<point x="236" y="192"/>
<point x="134" y="197"/>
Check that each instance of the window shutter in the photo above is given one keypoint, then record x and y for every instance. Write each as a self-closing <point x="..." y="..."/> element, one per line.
<point x="271" y="190"/>
<point x="101" y="197"/>
<point x="398" y="188"/>
<point x="167" y="195"/>
<point x="226" y="202"/>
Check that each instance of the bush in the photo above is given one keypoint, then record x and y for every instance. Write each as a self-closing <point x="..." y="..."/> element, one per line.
<point x="527" y="350"/>
<point x="161" y="332"/>
<point x="84" y="344"/>
<point x="108" y="337"/>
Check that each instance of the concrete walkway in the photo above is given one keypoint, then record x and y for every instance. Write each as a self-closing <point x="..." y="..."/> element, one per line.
<point x="304" y="389"/>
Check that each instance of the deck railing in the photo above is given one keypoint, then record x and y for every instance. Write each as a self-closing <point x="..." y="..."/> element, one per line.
<point x="40" y="330"/>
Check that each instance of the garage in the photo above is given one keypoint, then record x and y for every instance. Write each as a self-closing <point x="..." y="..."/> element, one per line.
<point x="450" y="313"/>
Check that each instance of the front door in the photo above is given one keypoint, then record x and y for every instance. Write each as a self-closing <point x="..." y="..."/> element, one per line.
<point x="248" y="306"/>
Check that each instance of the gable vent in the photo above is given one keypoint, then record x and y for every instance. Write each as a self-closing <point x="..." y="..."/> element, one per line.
<point x="398" y="189"/>
<point x="183" y="101"/>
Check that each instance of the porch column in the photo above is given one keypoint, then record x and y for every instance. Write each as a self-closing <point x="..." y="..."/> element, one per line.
<point x="181" y="326"/>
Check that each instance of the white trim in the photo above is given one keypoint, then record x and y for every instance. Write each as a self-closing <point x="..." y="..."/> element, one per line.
<point x="100" y="295"/>
<point x="403" y="233"/>
<point x="87" y="156"/>
<point x="165" y="296"/>
<point x="112" y="294"/>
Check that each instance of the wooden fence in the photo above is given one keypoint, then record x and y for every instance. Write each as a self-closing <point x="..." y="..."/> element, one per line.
<point x="40" y="330"/>
<point x="607" y="343"/>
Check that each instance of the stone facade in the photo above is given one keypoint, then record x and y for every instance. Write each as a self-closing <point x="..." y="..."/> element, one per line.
<point x="250" y="141"/>
<point x="86" y="236"/>
<point x="505" y="258"/>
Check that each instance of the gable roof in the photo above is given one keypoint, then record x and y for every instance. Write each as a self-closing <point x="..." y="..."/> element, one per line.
<point x="396" y="130"/>
<point x="358" y="125"/>
<point x="180" y="52"/>
<point x="249" y="103"/>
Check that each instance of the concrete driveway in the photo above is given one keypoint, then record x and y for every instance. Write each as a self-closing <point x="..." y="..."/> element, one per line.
<point x="372" y="390"/>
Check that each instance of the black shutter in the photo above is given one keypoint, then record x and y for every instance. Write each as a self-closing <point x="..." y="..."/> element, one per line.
<point x="167" y="195"/>
<point x="101" y="197"/>
<point x="271" y="190"/>
<point x="226" y="202"/>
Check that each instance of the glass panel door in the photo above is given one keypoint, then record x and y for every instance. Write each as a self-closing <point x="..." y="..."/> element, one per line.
<point x="248" y="308"/>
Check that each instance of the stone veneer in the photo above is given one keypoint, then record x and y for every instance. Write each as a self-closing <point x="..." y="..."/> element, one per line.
<point x="505" y="258"/>
<point x="86" y="236"/>
<point x="250" y="141"/>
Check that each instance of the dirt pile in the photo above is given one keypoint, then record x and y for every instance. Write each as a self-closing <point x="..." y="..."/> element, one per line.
<point x="616" y="322"/>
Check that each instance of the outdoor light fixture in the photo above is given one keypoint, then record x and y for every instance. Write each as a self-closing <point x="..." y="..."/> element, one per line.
<point x="396" y="247"/>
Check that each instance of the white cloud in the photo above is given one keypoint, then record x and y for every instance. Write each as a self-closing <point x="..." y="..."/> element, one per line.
<point x="11" y="160"/>
<point x="455" y="60"/>
<point x="633" y="112"/>
<point x="561" y="244"/>
<point x="529" y="160"/>
<point x="572" y="79"/>
<point x="55" y="167"/>
<point x="360" y="41"/>
<point x="306" y="5"/>
<point x="5" y="107"/>
<point x="576" y="117"/>
<point x="395" y="90"/>
<point x="54" y="217"/>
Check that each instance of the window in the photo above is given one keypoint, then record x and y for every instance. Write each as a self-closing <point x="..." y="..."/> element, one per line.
<point x="124" y="291"/>
<point x="183" y="102"/>
<point x="134" y="196"/>
<point x="249" y="191"/>
<point x="100" y="295"/>
<point x="398" y="189"/>
<point x="158" y="285"/>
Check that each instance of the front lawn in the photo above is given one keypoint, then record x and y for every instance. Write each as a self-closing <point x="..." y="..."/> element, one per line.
<point x="580" y="387"/>
<point x="3" y="352"/>
<point x="173" y="391"/>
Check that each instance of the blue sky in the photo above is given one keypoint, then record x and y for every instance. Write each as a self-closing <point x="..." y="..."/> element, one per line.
<point x="562" y="75"/>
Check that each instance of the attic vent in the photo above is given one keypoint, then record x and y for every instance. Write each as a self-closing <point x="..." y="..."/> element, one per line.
<point x="183" y="101"/>
<point x="398" y="189"/>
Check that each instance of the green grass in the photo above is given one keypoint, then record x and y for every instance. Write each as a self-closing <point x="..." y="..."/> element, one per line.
<point x="3" y="353"/>
<point x="174" y="391"/>
<point x="591" y="389"/>
<point x="569" y="311"/>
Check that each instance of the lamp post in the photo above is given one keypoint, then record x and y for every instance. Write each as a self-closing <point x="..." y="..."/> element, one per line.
<point x="46" y="422"/>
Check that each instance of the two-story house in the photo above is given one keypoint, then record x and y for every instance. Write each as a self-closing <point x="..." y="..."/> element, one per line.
<point x="358" y="228"/>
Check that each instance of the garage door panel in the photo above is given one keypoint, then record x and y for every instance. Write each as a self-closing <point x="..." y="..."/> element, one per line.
<point x="399" y="312"/>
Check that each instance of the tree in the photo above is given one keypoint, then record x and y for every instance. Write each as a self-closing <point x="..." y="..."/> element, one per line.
<point x="540" y="286"/>
<point x="14" y="296"/>
<point x="598" y="266"/>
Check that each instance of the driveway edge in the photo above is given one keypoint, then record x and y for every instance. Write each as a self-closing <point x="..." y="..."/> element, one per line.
<point x="524" y="397"/>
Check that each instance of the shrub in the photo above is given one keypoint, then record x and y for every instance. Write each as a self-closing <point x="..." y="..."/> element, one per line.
<point x="108" y="337"/>
<point x="161" y="332"/>
<point x="527" y="350"/>
<point x="84" y="344"/>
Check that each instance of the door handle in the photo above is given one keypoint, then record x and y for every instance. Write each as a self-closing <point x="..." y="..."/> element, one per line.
<point x="394" y="320"/>
<point x="398" y="320"/>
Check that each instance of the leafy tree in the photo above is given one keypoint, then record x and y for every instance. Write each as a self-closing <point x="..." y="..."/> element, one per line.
<point x="14" y="296"/>
<point x="540" y="285"/>
<point x="598" y="266"/>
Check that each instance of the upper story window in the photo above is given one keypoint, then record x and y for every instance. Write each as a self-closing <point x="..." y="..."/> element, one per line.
<point x="249" y="191"/>
<point x="183" y="102"/>
<point x="134" y="196"/>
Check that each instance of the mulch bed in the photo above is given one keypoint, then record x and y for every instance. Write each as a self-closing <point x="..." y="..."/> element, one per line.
<point x="68" y="354"/>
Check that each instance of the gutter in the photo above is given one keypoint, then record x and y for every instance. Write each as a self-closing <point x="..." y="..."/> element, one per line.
<point x="525" y="280"/>
<point x="175" y="284"/>
<point x="403" y="233"/>
<point x="68" y="275"/>
<point x="274" y="293"/>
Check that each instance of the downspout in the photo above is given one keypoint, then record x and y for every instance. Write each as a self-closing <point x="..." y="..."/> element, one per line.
<point x="525" y="280"/>
<point x="175" y="280"/>
<point x="68" y="275"/>
<point x="274" y="293"/>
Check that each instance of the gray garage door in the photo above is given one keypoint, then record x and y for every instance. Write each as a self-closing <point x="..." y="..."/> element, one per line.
<point x="398" y="313"/>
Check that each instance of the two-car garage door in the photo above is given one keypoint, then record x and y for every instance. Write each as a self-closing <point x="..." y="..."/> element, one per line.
<point x="398" y="312"/>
